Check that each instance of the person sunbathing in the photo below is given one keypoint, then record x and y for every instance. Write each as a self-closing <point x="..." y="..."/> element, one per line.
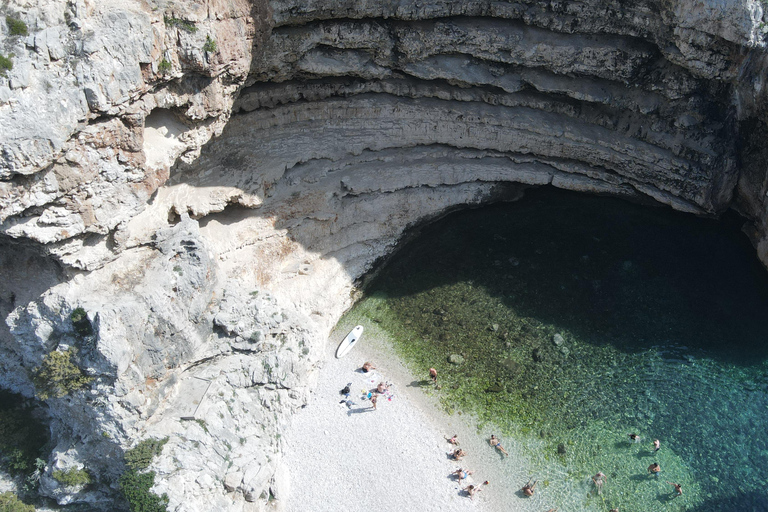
<point x="368" y="367"/>
<point x="462" y="474"/>
<point x="496" y="443"/>
<point x="453" y="440"/>
<point x="471" y="490"/>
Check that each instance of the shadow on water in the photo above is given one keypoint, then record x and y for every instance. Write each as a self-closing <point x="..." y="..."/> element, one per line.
<point x="606" y="270"/>
<point x="577" y="320"/>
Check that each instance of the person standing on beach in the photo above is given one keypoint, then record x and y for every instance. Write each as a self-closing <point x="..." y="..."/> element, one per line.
<point x="678" y="488"/>
<point x="656" y="445"/>
<point x="433" y="375"/>
<point x="496" y="443"/>
<point x="374" y="399"/>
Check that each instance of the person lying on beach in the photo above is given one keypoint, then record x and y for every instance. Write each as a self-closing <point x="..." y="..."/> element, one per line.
<point x="529" y="488"/>
<point x="634" y="438"/>
<point x="458" y="453"/>
<point x="496" y="443"/>
<point x="654" y="468"/>
<point x="471" y="490"/>
<point x="381" y="388"/>
<point x="678" y="488"/>
<point x="600" y="479"/>
<point x="453" y="440"/>
<point x="461" y="474"/>
<point x="368" y="367"/>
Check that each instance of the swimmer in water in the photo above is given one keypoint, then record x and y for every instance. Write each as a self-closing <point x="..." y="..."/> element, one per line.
<point x="678" y="488"/>
<point x="600" y="479"/>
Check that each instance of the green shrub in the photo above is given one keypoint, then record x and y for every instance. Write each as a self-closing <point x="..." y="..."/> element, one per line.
<point x="16" y="27"/>
<point x="72" y="477"/>
<point x="184" y="25"/>
<point x="9" y="502"/>
<point x="210" y="45"/>
<point x="59" y="376"/>
<point x="141" y="456"/>
<point x="164" y="67"/>
<point x="136" y="489"/>
<point x="5" y="65"/>
<point x="22" y="436"/>
<point x="80" y="322"/>
<point x="136" y="486"/>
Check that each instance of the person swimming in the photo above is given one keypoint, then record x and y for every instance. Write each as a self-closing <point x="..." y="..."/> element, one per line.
<point x="528" y="489"/>
<point x="600" y="479"/>
<point x="654" y="468"/>
<point x="678" y="488"/>
<point x="634" y="438"/>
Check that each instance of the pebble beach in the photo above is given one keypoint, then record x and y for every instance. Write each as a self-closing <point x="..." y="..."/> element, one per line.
<point x="350" y="457"/>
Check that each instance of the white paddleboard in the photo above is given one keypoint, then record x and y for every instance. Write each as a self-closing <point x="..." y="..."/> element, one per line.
<point x="347" y="343"/>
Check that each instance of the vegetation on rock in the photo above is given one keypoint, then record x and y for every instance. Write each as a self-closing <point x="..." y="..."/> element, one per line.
<point x="22" y="436"/>
<point x="141" y="456"/>
<point x="80" y="322"/>
<point x="164" y="67"/>
<point x="58" y="375"/>
<point x="187" y="26"/>
<point x="9" y="502"/>
<point x="210" y="45"/>
<point x="5" y="65"/>
<point x="135" y="485"/>
<point x="16" y="27"/>
<point x="72" y="477"/>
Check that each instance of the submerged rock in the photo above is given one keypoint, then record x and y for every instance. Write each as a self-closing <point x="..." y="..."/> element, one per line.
<point x="455" y="359"/>
<point x="558" y="339"/>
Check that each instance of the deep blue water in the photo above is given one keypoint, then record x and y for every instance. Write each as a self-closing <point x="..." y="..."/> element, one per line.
<point x="662" y="329"/>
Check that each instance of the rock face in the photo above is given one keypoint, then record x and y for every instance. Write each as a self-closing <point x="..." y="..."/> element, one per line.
<point x="209" y="180"/>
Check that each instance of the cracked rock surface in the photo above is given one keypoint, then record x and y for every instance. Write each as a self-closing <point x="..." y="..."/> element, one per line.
<point x="211" y="205"/>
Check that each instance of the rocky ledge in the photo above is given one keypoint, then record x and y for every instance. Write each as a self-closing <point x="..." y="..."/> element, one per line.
<point x="190" y="191"/>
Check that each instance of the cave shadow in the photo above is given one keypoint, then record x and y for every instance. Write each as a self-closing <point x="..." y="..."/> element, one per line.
<point x="606" y="270"/>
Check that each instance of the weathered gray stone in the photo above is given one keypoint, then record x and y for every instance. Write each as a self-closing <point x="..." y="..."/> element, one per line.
<point x="355" y="119"/>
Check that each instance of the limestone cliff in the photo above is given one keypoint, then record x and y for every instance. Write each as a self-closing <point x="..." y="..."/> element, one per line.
<point x="208" y="181"/>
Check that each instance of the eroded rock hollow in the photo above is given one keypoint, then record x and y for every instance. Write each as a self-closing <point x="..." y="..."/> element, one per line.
<point x="207" y="181"/>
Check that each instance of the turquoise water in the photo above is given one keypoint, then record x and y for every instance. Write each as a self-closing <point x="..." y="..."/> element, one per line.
<point x="583" y="319"/>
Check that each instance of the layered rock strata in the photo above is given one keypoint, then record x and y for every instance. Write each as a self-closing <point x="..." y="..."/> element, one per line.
<point x="209" y="181"/>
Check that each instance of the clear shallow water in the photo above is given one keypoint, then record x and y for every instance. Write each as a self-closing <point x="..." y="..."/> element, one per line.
<point x="664" y="326"/>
